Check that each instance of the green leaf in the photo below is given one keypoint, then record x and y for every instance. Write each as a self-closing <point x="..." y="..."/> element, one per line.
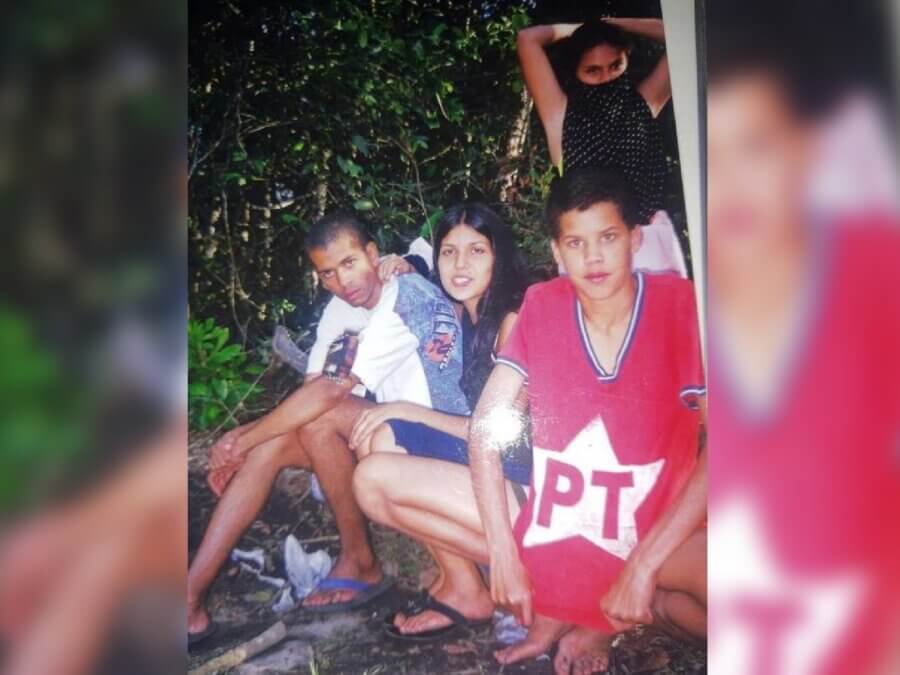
<point x="221" y="335"/>
<point x="363" y="39"/>
<point x="427" y="229"/>
<point x="364" y="205"/>
<point x="211" y="414"/>
<point x="230" y="353"/>
<point x="289" y="219"/>
<point x="360" y="144"/>
<point x="198" y="390"/>
<point x="349" y="167"/>
<point x="220" y="387"/>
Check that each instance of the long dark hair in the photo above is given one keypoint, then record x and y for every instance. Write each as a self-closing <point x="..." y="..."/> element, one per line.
<point x="590" y="34"/>
<point x="509" y="279"/>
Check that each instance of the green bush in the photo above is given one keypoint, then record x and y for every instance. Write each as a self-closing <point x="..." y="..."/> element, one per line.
<point x="221" y="382"/>
<point x="43" y="415"/>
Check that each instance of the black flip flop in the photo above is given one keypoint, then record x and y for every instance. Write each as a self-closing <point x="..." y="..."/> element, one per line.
<point x="423" y="603"/>
<point x="200" y="636"/>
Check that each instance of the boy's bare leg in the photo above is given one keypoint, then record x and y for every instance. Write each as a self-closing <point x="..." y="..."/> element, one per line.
<point x="680" y="602"/>
<point x="679" y="608"/>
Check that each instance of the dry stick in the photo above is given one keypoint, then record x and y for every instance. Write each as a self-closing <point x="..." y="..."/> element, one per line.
<point x="232" y="263"/>
<point x="236" y="656"/>
<point x="230" y="413"/>
<point x="412" y="159"/>
<point x="318" y="540"/>
<point x="515" y="146"/>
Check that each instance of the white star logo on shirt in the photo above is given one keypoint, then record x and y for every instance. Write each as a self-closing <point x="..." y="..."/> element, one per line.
<point x="585" y="491"/>
<point x="762" y="619"/>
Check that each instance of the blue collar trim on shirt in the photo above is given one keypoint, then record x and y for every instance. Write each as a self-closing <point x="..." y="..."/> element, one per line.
<point x="602" y="375"/>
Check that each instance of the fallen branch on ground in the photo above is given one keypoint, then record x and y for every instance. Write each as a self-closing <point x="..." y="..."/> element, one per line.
<point x="317" y="540"/>
<point x="236" y="656"/>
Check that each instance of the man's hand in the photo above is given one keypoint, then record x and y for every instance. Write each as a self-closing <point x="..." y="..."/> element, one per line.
<point x="393" y="266"/>
<point x="628" y="600"/>
<point x="224" y="452"/>
<point x="218" y="479"/>
<point x="369" y="420"/>
<point x="510" y="585"/>
<point x="224" y="460"/>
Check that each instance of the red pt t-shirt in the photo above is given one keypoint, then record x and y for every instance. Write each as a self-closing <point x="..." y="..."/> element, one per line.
<point x="611" y="449"/>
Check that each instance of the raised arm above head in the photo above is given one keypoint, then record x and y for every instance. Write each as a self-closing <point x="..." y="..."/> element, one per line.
<point x="656" y="88"/>
<point x="549" y="98"/>
<point x="650" y="28"/>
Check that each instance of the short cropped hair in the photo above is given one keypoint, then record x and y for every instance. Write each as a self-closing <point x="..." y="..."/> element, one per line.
<point x="330" y="226"/>
<point x="581" y="188"/>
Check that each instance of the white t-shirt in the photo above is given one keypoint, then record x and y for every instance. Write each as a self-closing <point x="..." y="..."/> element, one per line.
<point x="337" y="318"/>
<point x="410" y="344"/>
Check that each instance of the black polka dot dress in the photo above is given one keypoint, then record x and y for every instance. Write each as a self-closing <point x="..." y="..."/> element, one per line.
<point x="610" y="125"/>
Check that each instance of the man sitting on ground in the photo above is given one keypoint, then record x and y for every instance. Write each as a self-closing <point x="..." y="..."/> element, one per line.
<point x="408" y="348"/>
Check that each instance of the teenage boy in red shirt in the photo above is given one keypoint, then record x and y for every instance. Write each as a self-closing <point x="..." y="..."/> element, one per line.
<point x="612" y="532"/>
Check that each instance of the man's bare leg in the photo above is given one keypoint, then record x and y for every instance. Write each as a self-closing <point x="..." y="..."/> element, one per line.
<point x="325" y="441"/>
<point x="241" y="502"/>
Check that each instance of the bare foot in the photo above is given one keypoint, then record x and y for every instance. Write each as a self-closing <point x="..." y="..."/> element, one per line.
<point x="198" y="619"/>
<point x="345" y="568"/>
<point x="541" y="636"/>
<point x="476" y="606"/>
<point x="582" y="651"/>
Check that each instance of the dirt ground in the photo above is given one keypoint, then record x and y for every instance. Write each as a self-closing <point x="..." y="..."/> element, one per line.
<point x="353" y="643"/>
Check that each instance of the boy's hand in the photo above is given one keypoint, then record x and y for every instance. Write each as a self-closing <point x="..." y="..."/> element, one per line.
<point x="629" y="599"/>
<point x="511" y="587"/>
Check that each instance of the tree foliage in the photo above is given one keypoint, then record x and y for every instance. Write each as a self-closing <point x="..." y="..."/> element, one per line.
<point x="388" y="107"/>
<point x="395" y="108"/>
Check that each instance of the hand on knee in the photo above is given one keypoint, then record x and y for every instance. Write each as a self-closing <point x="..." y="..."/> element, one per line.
<point x="364" y="449"/>
<point x="382" y="439"/>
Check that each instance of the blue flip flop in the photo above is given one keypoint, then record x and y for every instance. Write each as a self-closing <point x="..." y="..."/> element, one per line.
<point x="365" y="593"/>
